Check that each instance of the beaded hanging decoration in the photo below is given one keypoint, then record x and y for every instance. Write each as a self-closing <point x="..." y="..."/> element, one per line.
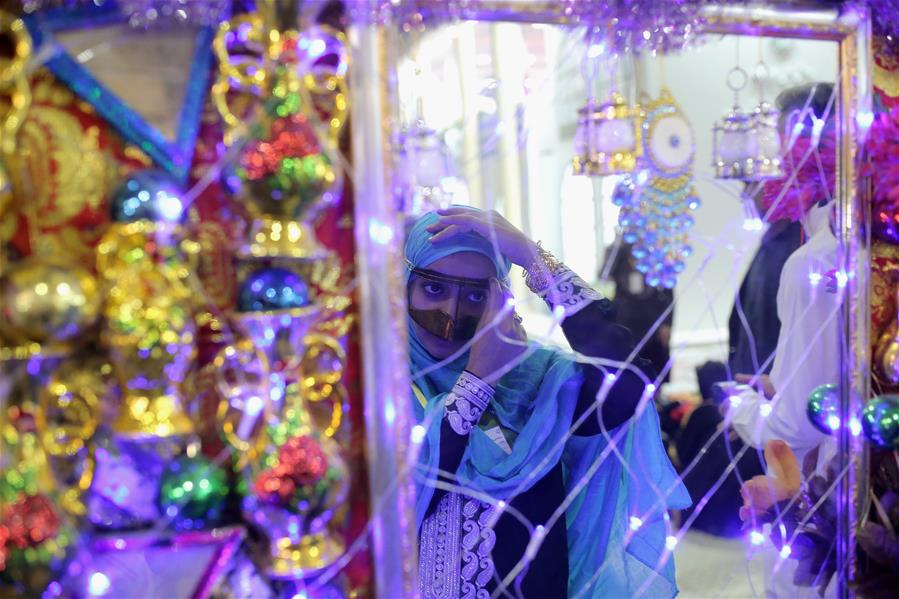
<point x="656" y="204"/>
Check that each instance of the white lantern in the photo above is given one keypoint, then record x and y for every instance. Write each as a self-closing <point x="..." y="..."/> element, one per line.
<point x="732" y="145"/>
<point x="608" y="139"/>
<point x="765" y="160"/>
<point x="424" y="176"/>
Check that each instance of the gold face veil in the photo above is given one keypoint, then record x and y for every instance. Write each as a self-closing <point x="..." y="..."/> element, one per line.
<point x="447" y="307"/>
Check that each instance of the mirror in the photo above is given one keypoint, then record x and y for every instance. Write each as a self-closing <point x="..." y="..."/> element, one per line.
<point x="637" y="415"/>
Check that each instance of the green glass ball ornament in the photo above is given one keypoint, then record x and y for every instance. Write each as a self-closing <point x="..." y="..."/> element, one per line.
<point x="192" y="492"/>
<point x="823" y="408"/>
<point x="880" y="421"/>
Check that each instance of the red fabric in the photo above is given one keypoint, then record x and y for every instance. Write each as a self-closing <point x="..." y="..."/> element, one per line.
<point x="811" y="177"/>
<point x="69" y="203"/>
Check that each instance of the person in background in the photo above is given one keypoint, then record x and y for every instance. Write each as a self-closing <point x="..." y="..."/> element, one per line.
<point x="720" y="516"/>
<point x="639" y="306"/>
<point x="754" y="325"/>
<point x="809" y="344"/>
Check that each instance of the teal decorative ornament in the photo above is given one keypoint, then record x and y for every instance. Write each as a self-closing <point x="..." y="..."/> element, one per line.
<point x="193" y="492"/>
<point x="823" y="408"/>
<point x="880" y="421"/>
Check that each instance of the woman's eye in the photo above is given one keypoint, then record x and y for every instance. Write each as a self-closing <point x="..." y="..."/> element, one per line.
<point x="433" y="288"/>
<point x="477" y="297"/>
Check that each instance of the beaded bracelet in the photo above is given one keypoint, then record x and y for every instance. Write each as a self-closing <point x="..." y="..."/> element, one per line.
<point x="557" y="284"/>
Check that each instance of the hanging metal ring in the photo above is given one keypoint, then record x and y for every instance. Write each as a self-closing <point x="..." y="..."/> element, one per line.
<point x="737" y="78"/>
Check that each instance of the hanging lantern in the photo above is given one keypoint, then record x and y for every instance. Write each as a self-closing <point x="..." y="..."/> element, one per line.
<point x="764" y="160"/>
<point x="731" y="145"/>
<point x="608" y="139"/>
<point x="425" y="178"/>
<point x="747" y="146"/>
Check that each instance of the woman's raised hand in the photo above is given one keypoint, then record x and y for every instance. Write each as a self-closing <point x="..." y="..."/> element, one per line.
<point x="508" y="240"/>
<point x="500" y="338"/>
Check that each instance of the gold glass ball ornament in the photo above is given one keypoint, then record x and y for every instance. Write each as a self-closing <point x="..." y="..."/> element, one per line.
<point x="47" y="303"/>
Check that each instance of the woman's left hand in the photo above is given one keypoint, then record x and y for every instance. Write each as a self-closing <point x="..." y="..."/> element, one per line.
<point x="509" y="241"/>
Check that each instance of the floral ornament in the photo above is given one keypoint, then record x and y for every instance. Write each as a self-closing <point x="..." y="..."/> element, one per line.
<point x="30" y="521"/>
<point x="25" y="524"/>
<point x="300" y="466"/>
<point x="811" y="177"/>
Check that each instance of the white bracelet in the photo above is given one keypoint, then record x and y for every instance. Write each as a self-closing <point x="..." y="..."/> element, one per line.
<point x="475" y="386"/>
<point x="466" y="402"/>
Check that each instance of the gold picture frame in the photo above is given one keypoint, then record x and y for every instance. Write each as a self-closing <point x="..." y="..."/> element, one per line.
<point x="378" y="227"/>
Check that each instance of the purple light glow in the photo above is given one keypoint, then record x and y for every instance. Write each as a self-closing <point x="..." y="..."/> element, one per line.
<point x="34" y="366"/>
<point x="379" y="232"/>
<point x="756" y="538"/>
<point x="842" y="279"/>
<point x="98" y="584"/>
<point x="752" y="224"/>
<point x="389" y="412"/>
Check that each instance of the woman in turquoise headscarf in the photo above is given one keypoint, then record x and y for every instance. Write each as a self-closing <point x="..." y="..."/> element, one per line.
<point x="538" y="476"/>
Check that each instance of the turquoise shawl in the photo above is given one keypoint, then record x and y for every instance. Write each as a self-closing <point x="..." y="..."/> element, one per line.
<point x="537" y="401"/>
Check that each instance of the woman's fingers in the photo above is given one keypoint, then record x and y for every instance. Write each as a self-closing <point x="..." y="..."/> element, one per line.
<point x="469" y="221"/>
<point x="454" y="210"/>
<point x="446" y="233"/>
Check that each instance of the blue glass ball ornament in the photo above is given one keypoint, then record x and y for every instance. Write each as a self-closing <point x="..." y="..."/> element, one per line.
<point x="230" y="179"/>
<point x="629" y="237"/>
<point x="679" y="266"/>
<point x="623" y="193"/>
<point x="880" y="421"/>
<point x="686" y="251"/>
<point x="150" y="195"/>
<point x="653" y="280"/>
<point x="642" y="266"/>
<point x="272" y="288"/>
<point x="668" y="282"/>
<point x="694" y="203"/>
<point x="823" y="408"/>
<point x="639" y="252"/>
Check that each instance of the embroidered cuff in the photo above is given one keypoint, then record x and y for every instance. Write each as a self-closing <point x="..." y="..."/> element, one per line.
<point x="558" y="285"/>
<point x="466" y="402"/>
